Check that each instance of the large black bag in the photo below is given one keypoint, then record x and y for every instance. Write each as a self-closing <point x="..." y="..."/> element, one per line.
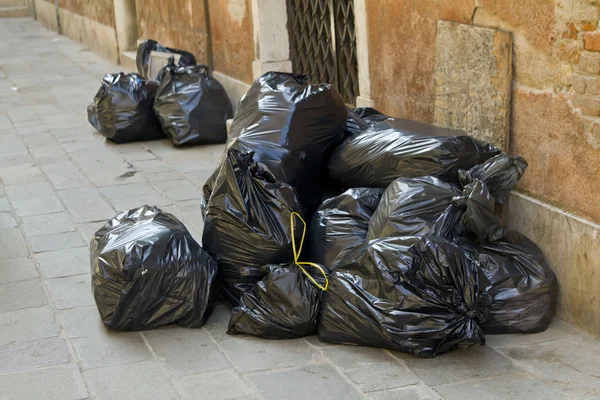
<point x="122" y="109"/>
<point x="341" y="223"/>
<point x="148" y="271"/>
<point x="191" y="106"/>
<point x="247" y="222"/>
<point x="410" y="206"/>
<point x="524" y="289"/>
<point x="398" y="148"/>
<point x="292" y="127"/>
<point x="145" y="49"/>
<point x="416" y="295"/>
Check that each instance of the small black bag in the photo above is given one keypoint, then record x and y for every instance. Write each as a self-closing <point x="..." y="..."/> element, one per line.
<point x="145" y="49"/>
<point x="148" y="271"/>
<point x="122" y="109"/>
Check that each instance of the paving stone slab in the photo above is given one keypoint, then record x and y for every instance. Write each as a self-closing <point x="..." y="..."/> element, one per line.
<point x="23" y="356"/>
<point x="414" y="392"/>
<point x="71" y="291"/>
<point x="63" y="382"/>
<point x="179" y="190"/>
<point x="17" y="269"/>
<point x="7" y="220"/>
<point x="381" y="376"/>
<point x="37" y="206"/>
<point x="29" y="190"/>
<point x="22" y="294"/>
<point x="27" y="324"/>
<point x="81" y="322"/>
<point x="186" y="351"/>
<point x="556" y="331"/>
<point x="348" y="357"/>
<point x="47" y="224"/>
<point x="88" y="229"/>
<point x="60" y="263"/>
<point x="216" y="326"/>
<point x="65" y="175"/>
<point x="110" y="349"/>
<point x="143" y="380"/>
<point x="86" y="204"/>
<point x="13" y="244"/>
<point x="221" y="385"/>
<point x="130" y="190"/>
<point x="57" y="241"/>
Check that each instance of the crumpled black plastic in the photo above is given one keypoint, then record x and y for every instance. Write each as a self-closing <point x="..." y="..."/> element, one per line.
<point x="341" y="223"/>
<point x="398" y="148"/>
<point x="284" y="304"/>
<point x="500" y="174"/>
<point x="416" y="295"/>
<point x="191" y="106"/>
<point x="145" y="49"/>
<point x="370" y="115"/>
<point x="354" y="124"/>
<point x="524" y="289"/>
<point x="410" y="206"/>
<point x="122" y="109"/>
<point x="148" y="271"/>
<point x="292" y="127"/>
<point x="247" y="222"/>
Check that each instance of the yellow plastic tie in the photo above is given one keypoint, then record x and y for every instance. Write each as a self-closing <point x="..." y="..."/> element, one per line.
<point x="297" y="254"/>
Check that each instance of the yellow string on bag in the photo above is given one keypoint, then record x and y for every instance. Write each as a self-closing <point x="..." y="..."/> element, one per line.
<point x="297" y="254"/>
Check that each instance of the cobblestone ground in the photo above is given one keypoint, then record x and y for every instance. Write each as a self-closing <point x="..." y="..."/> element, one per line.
<point x="60" y="180"/>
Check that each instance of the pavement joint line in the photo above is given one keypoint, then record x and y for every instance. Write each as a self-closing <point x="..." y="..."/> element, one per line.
<point x="160" y="364"/>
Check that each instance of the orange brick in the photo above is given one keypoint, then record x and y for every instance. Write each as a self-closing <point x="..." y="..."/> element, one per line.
<point x="589" y="105"/>
<point x="591" y="41"/>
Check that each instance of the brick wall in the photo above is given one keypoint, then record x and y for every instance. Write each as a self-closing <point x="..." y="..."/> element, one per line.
<point x="586" y="85"/>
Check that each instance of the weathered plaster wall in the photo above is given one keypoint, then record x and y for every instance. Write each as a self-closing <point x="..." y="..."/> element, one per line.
<point x="101" y="11"/>
<point x="175" y="23"/>
<point x="232" y="38"/>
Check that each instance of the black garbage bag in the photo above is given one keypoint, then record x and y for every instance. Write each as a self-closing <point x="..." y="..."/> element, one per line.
<point x="398" y="148"/>
<point x="354" y="124"/>
<point x="341" y="223"/>
<point x="122" y="109"/>
<point x="524" y="289"/>
<point x="148" y="271"/>
<point x="370" y="115"/>
<point x="191" y="106"/>
<point x="410" y="206"/>
<point x="292" y="127"/>
<point x="416" y="295"/>
<point x="247" y="222"/>
<point x="145" y="49"/>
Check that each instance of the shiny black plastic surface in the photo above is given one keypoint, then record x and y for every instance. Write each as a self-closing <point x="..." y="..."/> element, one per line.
<point x="145" y="49"/>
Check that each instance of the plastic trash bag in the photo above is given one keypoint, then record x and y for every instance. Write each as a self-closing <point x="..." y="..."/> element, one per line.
<point x="292" y="127"/>
<point x="410" y="206"/>
<point x="416" y="295"/>
<point x="398" y="148"/>
<point x="247" y="222"/>
<point x="354" y="124"/>
<point x="500" y="174"/>
<point x="284" y="304"/>
<point x="341" y="223"/>
<point x="191" y="106"/>
<point x="148" y="271"/>
<point x="370" y="115"/>
<point x="524" y="289"/>
<point x="145" y="49"/>
<point x="122" y="109"/>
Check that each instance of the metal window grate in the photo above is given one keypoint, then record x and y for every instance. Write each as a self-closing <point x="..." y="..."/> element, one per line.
<point x="323" y="43"/>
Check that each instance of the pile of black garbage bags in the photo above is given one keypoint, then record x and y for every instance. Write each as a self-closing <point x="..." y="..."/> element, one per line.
<point x="183" y="102"/>
<point x="349" y="224"/>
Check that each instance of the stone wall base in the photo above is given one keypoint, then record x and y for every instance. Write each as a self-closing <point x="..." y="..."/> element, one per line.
<point x="235" y="88"/>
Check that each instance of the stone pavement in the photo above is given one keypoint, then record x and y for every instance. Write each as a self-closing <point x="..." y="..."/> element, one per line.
<point x="60" y="181"/>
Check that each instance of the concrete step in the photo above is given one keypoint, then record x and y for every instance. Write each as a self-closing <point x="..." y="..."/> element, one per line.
<point x="128" y="61"/>
<point x="14" y="11"/>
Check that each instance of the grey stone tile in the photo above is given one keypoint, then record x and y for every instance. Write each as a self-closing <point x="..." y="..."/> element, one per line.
<point x="348" y="357"/>
<point x="499" y="388"/>
<point x="27" y="324"/>
<point x="189" y="205"/>
<point x="63" y="382"/>
<point x="110" y="348"/>
<point x="23" y="356"/>
<point x="164" y="176"/>
<point x="29" y="190"/>
<point x="88" y="229"/>
<point x="21" y="174"/>
<point x="13" y="244"/>
<point x="381" y="376"/>
<point x="152" y="166"/>
<point x="71" y="291"/>
<point x="37" y="206"/>
<point x="130" y="190"/>
<point x="186" y="351"/>
<point x="4" y="206"/>
<point x="460" y="365"/>
<point x="143" y="380"/>
<point x="86" y="204"/>
<point x="216" y="326"/>
<point x="22" y="294"/>
<point x="17" y="269"/>
<point x="569" y="367"/>
<point x="179" y="190"/>
<point x="310" y="382"/>
<point x="221" y="385"/>
<point x="199" y="177"/>
<point x="414" y="392"/>
<point x="253" y="354"/>
<point x="47" y="224"/>
<point x="81" y="322"/>
<point x="128" y="203"/>
<point x="56" y="264"/>
<point x="7" y="221"/>
<point x="557" y="330"/>
<point x="57" y="241"/>
<point x="65" y="175"/>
